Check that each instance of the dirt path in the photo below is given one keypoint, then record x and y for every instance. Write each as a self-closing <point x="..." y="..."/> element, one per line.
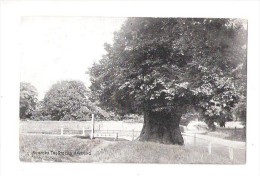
<point x="216" y="140"/>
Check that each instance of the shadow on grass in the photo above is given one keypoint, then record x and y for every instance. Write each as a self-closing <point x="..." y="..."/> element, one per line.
<point x="110" y="139"/>
<point x="82" y="137"/>
<point x="102" y="138"/>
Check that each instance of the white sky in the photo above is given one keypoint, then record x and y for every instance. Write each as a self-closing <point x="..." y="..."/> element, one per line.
<point x="62" y="48"/>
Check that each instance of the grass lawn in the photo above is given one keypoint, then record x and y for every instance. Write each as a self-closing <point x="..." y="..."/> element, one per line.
<point x="45" y="148"/>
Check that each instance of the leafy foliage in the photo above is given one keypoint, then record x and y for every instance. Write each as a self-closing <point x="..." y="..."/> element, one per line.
<point x="169" y="64"/>
<point x="66" y="100"/>
<point x="28" y="100"/>
<point x="69" y="100"/>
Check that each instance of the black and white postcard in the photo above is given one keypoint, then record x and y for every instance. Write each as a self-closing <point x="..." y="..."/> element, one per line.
<point x="130" y="88"/>
<point x="133" y="90"/>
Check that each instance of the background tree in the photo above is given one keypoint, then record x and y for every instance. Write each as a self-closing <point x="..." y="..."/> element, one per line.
<point x="66" y="100"/>
<point x="28" y="100"/>
<point x="161" y="66"/>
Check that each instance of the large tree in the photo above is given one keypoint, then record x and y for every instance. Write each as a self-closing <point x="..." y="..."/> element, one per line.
<point x="28" y="100"/>
<point x="160" y="67"/>
<point x="66" y="100"/>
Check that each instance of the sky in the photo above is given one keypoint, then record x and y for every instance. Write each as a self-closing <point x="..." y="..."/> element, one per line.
<point x="62" y="48"/>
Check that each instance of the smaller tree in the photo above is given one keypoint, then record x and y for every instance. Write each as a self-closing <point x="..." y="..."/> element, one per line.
<point x="28" y="100"/>
<point x="239" y="112"/>
<point x="66" y="100"/>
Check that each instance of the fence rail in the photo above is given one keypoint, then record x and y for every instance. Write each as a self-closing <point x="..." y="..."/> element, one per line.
<point x="232" y="149"/>
<point x="126" y="134"/>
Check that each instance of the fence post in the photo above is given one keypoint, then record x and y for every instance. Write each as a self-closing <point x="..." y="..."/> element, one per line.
<point x="231" y="153"/>
<point x="92" y="128"/>
<point x="61" y="131"/>
<point x="83" y="131"/>
<point x="116" y="138"/>
<point x="235" y="131"/>
<point x="209" y="148"/>
<point x="194" y="139"/>
<point x="244" y="132"/>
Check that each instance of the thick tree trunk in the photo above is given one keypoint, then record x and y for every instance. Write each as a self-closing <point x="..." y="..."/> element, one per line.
<point x="162" y="128"/>
<point x="211" y="125"/>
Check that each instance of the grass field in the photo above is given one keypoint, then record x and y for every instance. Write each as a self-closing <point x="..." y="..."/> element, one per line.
<point x="46" y="148"/>
<point x="37" y="145"/>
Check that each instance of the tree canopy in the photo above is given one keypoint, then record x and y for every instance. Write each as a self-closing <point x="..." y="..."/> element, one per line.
<point x="28" y="100"/>
<point x="161" y="67"/>
<point x="170" y="63"/>
<point x="66" y="100"/>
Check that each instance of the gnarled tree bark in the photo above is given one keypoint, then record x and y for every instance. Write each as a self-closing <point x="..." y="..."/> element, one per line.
<point x="161" y="127"/>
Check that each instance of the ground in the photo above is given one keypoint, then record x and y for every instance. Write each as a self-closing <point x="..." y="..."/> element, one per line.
<point x="46" y="148"/>
<point x="43" y="142"/>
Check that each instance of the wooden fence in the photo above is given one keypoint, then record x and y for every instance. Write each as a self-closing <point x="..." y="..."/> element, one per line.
<point x="116" y="134"/>
<point x="231" y="149"/>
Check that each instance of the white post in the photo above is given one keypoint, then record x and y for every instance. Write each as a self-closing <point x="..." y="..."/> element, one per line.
<point x="92" y="128"/>
<point x="61" y="131"/>
<point x="209" y="148"/>
<point x="231" y="153"/>
<point x="194" y="139"/>
<point x="116" y="137"/>
<point x="133" y="138"/>
<point x="83" y="131"/>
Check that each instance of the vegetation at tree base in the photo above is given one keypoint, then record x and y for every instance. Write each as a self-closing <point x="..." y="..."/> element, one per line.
<point x="161" y="67"/>
<point x="28" y="100"/>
